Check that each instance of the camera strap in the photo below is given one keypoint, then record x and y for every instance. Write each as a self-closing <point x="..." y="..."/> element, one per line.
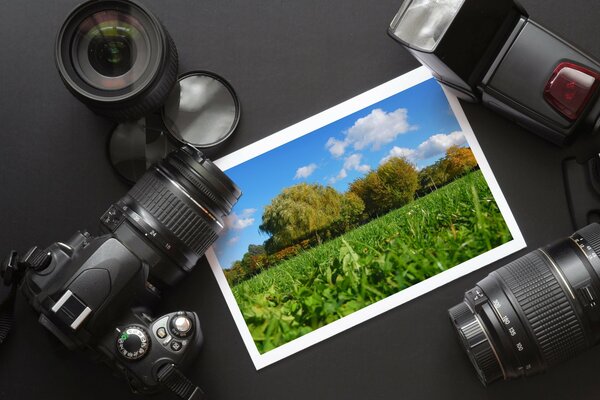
<point x="11" y="272"/>
<point x="7" y="310"/>
<point x="174" y="380"/>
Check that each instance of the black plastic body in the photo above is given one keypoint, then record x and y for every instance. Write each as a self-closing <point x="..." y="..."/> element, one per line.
<point x="542" y="308"/>
<point x="494" y="54"/>
<point x="142" y="373"/>
<point x="109" y="279"/>
<point x="130" y="103"/>
<point x="101" y="272"/>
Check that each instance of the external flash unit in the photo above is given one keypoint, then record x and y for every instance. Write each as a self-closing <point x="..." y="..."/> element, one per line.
<point x="491" y="52"/>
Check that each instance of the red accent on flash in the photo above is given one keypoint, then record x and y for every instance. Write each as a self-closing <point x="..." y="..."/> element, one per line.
<point x="570" y="89"/>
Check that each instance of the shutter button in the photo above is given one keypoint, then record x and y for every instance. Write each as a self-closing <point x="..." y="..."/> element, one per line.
<point x="181" y="326"/>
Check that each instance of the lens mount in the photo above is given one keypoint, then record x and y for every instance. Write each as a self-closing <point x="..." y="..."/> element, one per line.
<point x="476" y="343"/>
<point x="117" y="58"/>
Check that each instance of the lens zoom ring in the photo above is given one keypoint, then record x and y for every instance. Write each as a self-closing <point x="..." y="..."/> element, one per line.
<point x="546" y="307"/>
<point x="187" y="224"/>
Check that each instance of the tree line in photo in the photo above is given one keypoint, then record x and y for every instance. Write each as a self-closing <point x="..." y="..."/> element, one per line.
<point x="306" y="215"/>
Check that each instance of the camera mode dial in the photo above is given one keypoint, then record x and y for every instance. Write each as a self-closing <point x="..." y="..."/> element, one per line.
<point x="133" y="343"/>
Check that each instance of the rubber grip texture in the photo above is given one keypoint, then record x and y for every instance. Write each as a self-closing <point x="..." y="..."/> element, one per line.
<point x="157" y="197"/>
<point x="544" y="303"/>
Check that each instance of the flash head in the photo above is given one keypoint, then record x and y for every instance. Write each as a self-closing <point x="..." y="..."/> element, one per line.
<point x="457" y="39"/>
<point x="492" y="52"/>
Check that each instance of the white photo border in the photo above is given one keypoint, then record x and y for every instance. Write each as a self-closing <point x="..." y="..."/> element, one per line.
<point x="323" y="119"/>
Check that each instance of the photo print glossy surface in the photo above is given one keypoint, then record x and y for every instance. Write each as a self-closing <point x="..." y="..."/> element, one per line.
<point x="353" y="212"/>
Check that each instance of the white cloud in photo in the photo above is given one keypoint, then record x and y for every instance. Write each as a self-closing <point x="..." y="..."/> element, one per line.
<point x="233" y="240"/>
<point x="337" y="148"/>
<point x="341" y="175"/>
<point x="353" y="163"/>
<point x="242" y="221"/>
<point x="305" y="172"/>
<point x="436" y="145"/>
<point x="400" y="152"/>
<point x="247" y="212"/>
<point x="373" y="131"/>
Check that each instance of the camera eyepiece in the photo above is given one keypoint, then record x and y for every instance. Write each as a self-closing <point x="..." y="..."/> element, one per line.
<point x="534" y="312"/>
<point x="177" y="208"/>
<point x="117" y="58"/>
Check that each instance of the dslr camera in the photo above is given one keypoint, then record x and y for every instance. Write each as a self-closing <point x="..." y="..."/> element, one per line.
<point x="98" y="292"/>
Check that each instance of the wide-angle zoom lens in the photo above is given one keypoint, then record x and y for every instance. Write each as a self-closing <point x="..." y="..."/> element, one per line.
<point x="536" y="311"/>
<point x="117" y="58"/>
<point x="178" y="208"/>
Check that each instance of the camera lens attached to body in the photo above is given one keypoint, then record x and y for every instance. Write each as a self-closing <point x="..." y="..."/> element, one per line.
<point x="536" y="311"/>
<point x="173" y="213"/>
<point x="117" y="58"/>
<point x="202" y="111"/>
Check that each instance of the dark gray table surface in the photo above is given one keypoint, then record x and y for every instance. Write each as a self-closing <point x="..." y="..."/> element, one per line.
<point x="287" y="60"/>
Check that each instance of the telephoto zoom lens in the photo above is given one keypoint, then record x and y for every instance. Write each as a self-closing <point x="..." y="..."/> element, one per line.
<point x="534" y="312"/>
<point x="173" y="214"/>
<point x="117" y="58"/>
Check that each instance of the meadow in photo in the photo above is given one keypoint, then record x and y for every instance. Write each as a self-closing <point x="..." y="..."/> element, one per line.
<point x="355" y="212"/>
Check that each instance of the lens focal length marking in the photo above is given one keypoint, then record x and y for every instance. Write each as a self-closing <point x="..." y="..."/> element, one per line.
<point x="515" y="332"/>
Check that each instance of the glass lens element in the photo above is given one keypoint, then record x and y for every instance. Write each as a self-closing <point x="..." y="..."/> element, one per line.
<point x="422" y="23"/>
<point x="202" y="110"/>
<point x="111" y="50"/>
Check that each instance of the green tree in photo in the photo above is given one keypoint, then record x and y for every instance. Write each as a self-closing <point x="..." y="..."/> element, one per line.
<point x="391" y="186"/>
<point x="459" y="161"/>
<point x="298" y="212"/>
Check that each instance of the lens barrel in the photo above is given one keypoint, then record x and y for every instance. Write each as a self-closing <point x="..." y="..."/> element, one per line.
<point x="534" y="312"/>
<point x="117" y="58"/>
<point x="177" y="208"/>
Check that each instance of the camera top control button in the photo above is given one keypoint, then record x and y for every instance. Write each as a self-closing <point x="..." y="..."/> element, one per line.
<point x="181" y="325"/>
<point x="176" y="346"/>
<point x="161" y="332"/>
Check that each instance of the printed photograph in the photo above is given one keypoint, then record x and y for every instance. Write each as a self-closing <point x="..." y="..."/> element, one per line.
<point x="354" y="212"/>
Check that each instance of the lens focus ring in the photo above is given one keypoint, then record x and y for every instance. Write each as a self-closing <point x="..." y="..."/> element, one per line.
<point x="547" y="309"/>
<point x="158" y="198"/>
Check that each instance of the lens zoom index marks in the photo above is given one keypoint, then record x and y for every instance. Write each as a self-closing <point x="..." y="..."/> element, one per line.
<point x="553" y="321"/>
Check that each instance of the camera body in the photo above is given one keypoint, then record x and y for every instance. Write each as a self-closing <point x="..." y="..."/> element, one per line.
<point x="97" y="292"/>
<point x="93" y="292"/>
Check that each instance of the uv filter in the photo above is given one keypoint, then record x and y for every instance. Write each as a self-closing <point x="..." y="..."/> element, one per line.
<point x="202" y="110"/>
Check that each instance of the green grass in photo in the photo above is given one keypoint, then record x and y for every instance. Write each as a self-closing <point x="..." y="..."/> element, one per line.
<point x="429" y="235"/>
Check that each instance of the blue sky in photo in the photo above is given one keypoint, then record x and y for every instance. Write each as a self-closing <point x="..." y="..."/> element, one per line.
<point x="417" y="124"/>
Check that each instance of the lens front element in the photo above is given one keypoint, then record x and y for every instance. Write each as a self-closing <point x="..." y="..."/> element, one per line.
<point x="112" y="50"/>
<point x="117" y="58"/>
